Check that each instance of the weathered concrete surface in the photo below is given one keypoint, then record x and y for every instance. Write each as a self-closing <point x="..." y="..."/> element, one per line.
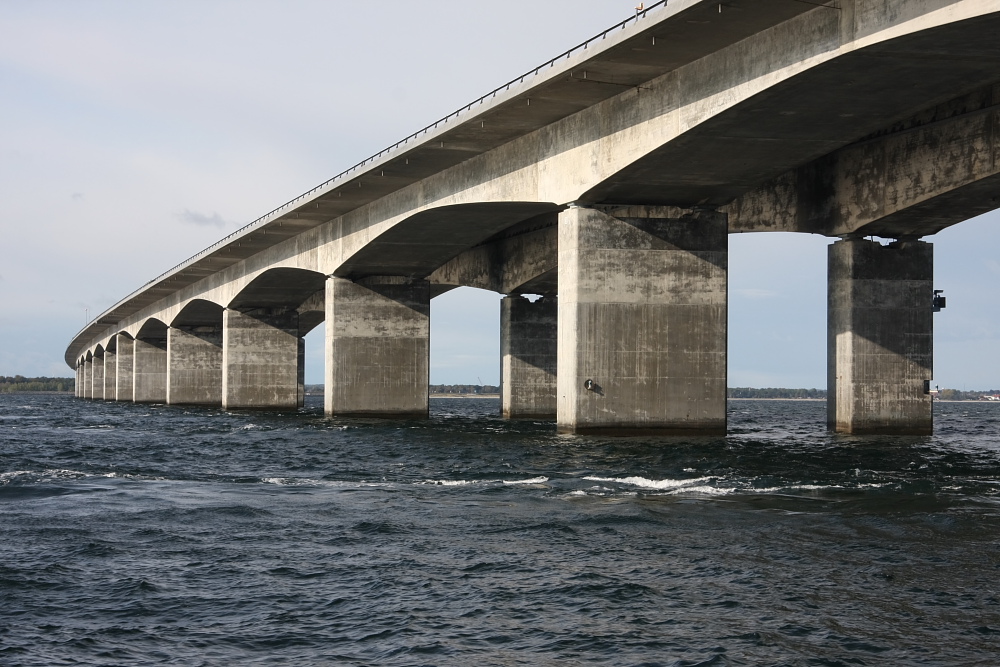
<point x="194" y="365"/>
<point x="97" y="377"/>
<point x="529" y="335"/>
<point x="124" y="377"/>
<point x="880" y="340"/>
<point x="301" y="375"/>
<point x="914" y="178"/>
<point x="88" y="379"/>
<point x="377" y="353"/>
<point x="511" y="262"/>
<point x="260" y="359"/>
<point x="642" y="316"/>
<point x="150" y="370"/>
<point x="110" y="373"/>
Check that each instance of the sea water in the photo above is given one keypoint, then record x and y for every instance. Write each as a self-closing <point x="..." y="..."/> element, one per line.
<point x="160" y="535"/>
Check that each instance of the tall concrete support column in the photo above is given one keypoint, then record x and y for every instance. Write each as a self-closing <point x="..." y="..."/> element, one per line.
<point x="88" y="379"/>
<point x="150" y="370"/>
<point x="528" y="345"/>
<point x="110" y="375"/>
<point x="302" y="373"/>
<point x="78" y="385"/>
<point x="260" y="358"/>
<point x="377" y="346"/>
<point x="98" y="378"/>
<point x="880" y="337"/>
<point x="642" y="321"/>
<point x="124" y="368"/>
<point x="194" y="365"/>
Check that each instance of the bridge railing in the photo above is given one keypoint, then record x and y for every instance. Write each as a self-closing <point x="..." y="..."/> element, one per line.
<point x="639" y="15"/>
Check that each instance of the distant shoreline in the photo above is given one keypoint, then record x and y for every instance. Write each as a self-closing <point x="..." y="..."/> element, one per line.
<point x="465" y="395"/>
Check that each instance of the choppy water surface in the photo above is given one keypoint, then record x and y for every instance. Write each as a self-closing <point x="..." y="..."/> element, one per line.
<point x="159" y="535"/>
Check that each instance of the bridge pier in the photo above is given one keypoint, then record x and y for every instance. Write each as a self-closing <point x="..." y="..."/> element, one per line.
<point x="880" y="337"/>
<point x="88" y="379"/>
<point x="528" y="346"/>
<point x="150" y="370"/>
<point x="97" y="380"/>
<point x="110" y="374"/>
<point x="261" y="358"/>
<point x="642" y="321"/>
<point x="377" y="346"/>
<point x="124" y="377"/>
<point x="194" y="365"/>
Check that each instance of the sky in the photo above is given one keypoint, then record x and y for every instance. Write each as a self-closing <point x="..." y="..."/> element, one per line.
<point x="135" y="134"/>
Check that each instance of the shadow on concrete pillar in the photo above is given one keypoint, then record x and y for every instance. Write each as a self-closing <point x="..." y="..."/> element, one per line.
<point x="150" y="368"/>
<point x="261" y="358"/>
<point x="98" y="375"/>
<point x="880" y="337"/>
<point x="88" y="378"/>
<point x="642" y="321"/>
<point x="528" y="343"/>
<point x="377" y="346"/>
<point x="124" y="378"/>
<point x="301" y="374"/>
<point x="111" y="371"/>
<point x="194" y="365"/>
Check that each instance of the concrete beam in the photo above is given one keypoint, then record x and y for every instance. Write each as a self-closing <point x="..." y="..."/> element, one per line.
<point x="377" y="346"/>
<point x="150" y="370"/>
<point x="912" y="179"/>
<point x="642" y="321"/>
<point x="261" y="358"/>
<point x="194" y="365"/>
<point x="528" y="350"/>
<point x="508" y="263"/>
<point x="124" y="375"/>
<point x="880" y="337"/>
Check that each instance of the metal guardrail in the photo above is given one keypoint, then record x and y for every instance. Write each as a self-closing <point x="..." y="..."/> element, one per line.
<point x="640" y="14"/>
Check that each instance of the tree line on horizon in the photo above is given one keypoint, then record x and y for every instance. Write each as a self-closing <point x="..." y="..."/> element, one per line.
<point x="16" y="384"/>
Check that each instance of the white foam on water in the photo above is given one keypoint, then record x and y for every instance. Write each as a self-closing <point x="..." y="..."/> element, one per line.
<point x="658" y="484"/>
<point x="703" y="490"/>
<point x="533" y="480"/>
<point x="467" y="482"/>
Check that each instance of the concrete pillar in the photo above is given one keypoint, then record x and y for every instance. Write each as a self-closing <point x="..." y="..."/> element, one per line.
<point x="78" y="385"/>
<point x="194" y="365"/>
<point x="88" y="379"/>
<point x="880" y="337"/>
<point x="110" y="375"/>
<point x="150" y="370"/>
<point x="260" y="358"/>
<point x="302" y="373"/>
<point x="98" y="378"/>
<point x="642" y="321"/>
<point x="377" y="346"/>
<point x="124" y="376"/>
<point x="528" y="343"/>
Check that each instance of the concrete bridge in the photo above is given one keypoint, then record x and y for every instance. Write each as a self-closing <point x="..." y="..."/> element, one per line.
<point x="607" y="181"/>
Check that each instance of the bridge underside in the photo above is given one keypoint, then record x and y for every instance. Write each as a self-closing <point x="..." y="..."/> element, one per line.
<point x="897" y="139"/>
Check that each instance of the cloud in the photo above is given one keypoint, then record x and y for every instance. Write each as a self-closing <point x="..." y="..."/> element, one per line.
<point x="77" y="196"/>
<point x="201" y="219"/>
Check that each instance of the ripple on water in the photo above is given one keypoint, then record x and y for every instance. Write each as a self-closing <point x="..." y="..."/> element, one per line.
<point x="153" y="534"/>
